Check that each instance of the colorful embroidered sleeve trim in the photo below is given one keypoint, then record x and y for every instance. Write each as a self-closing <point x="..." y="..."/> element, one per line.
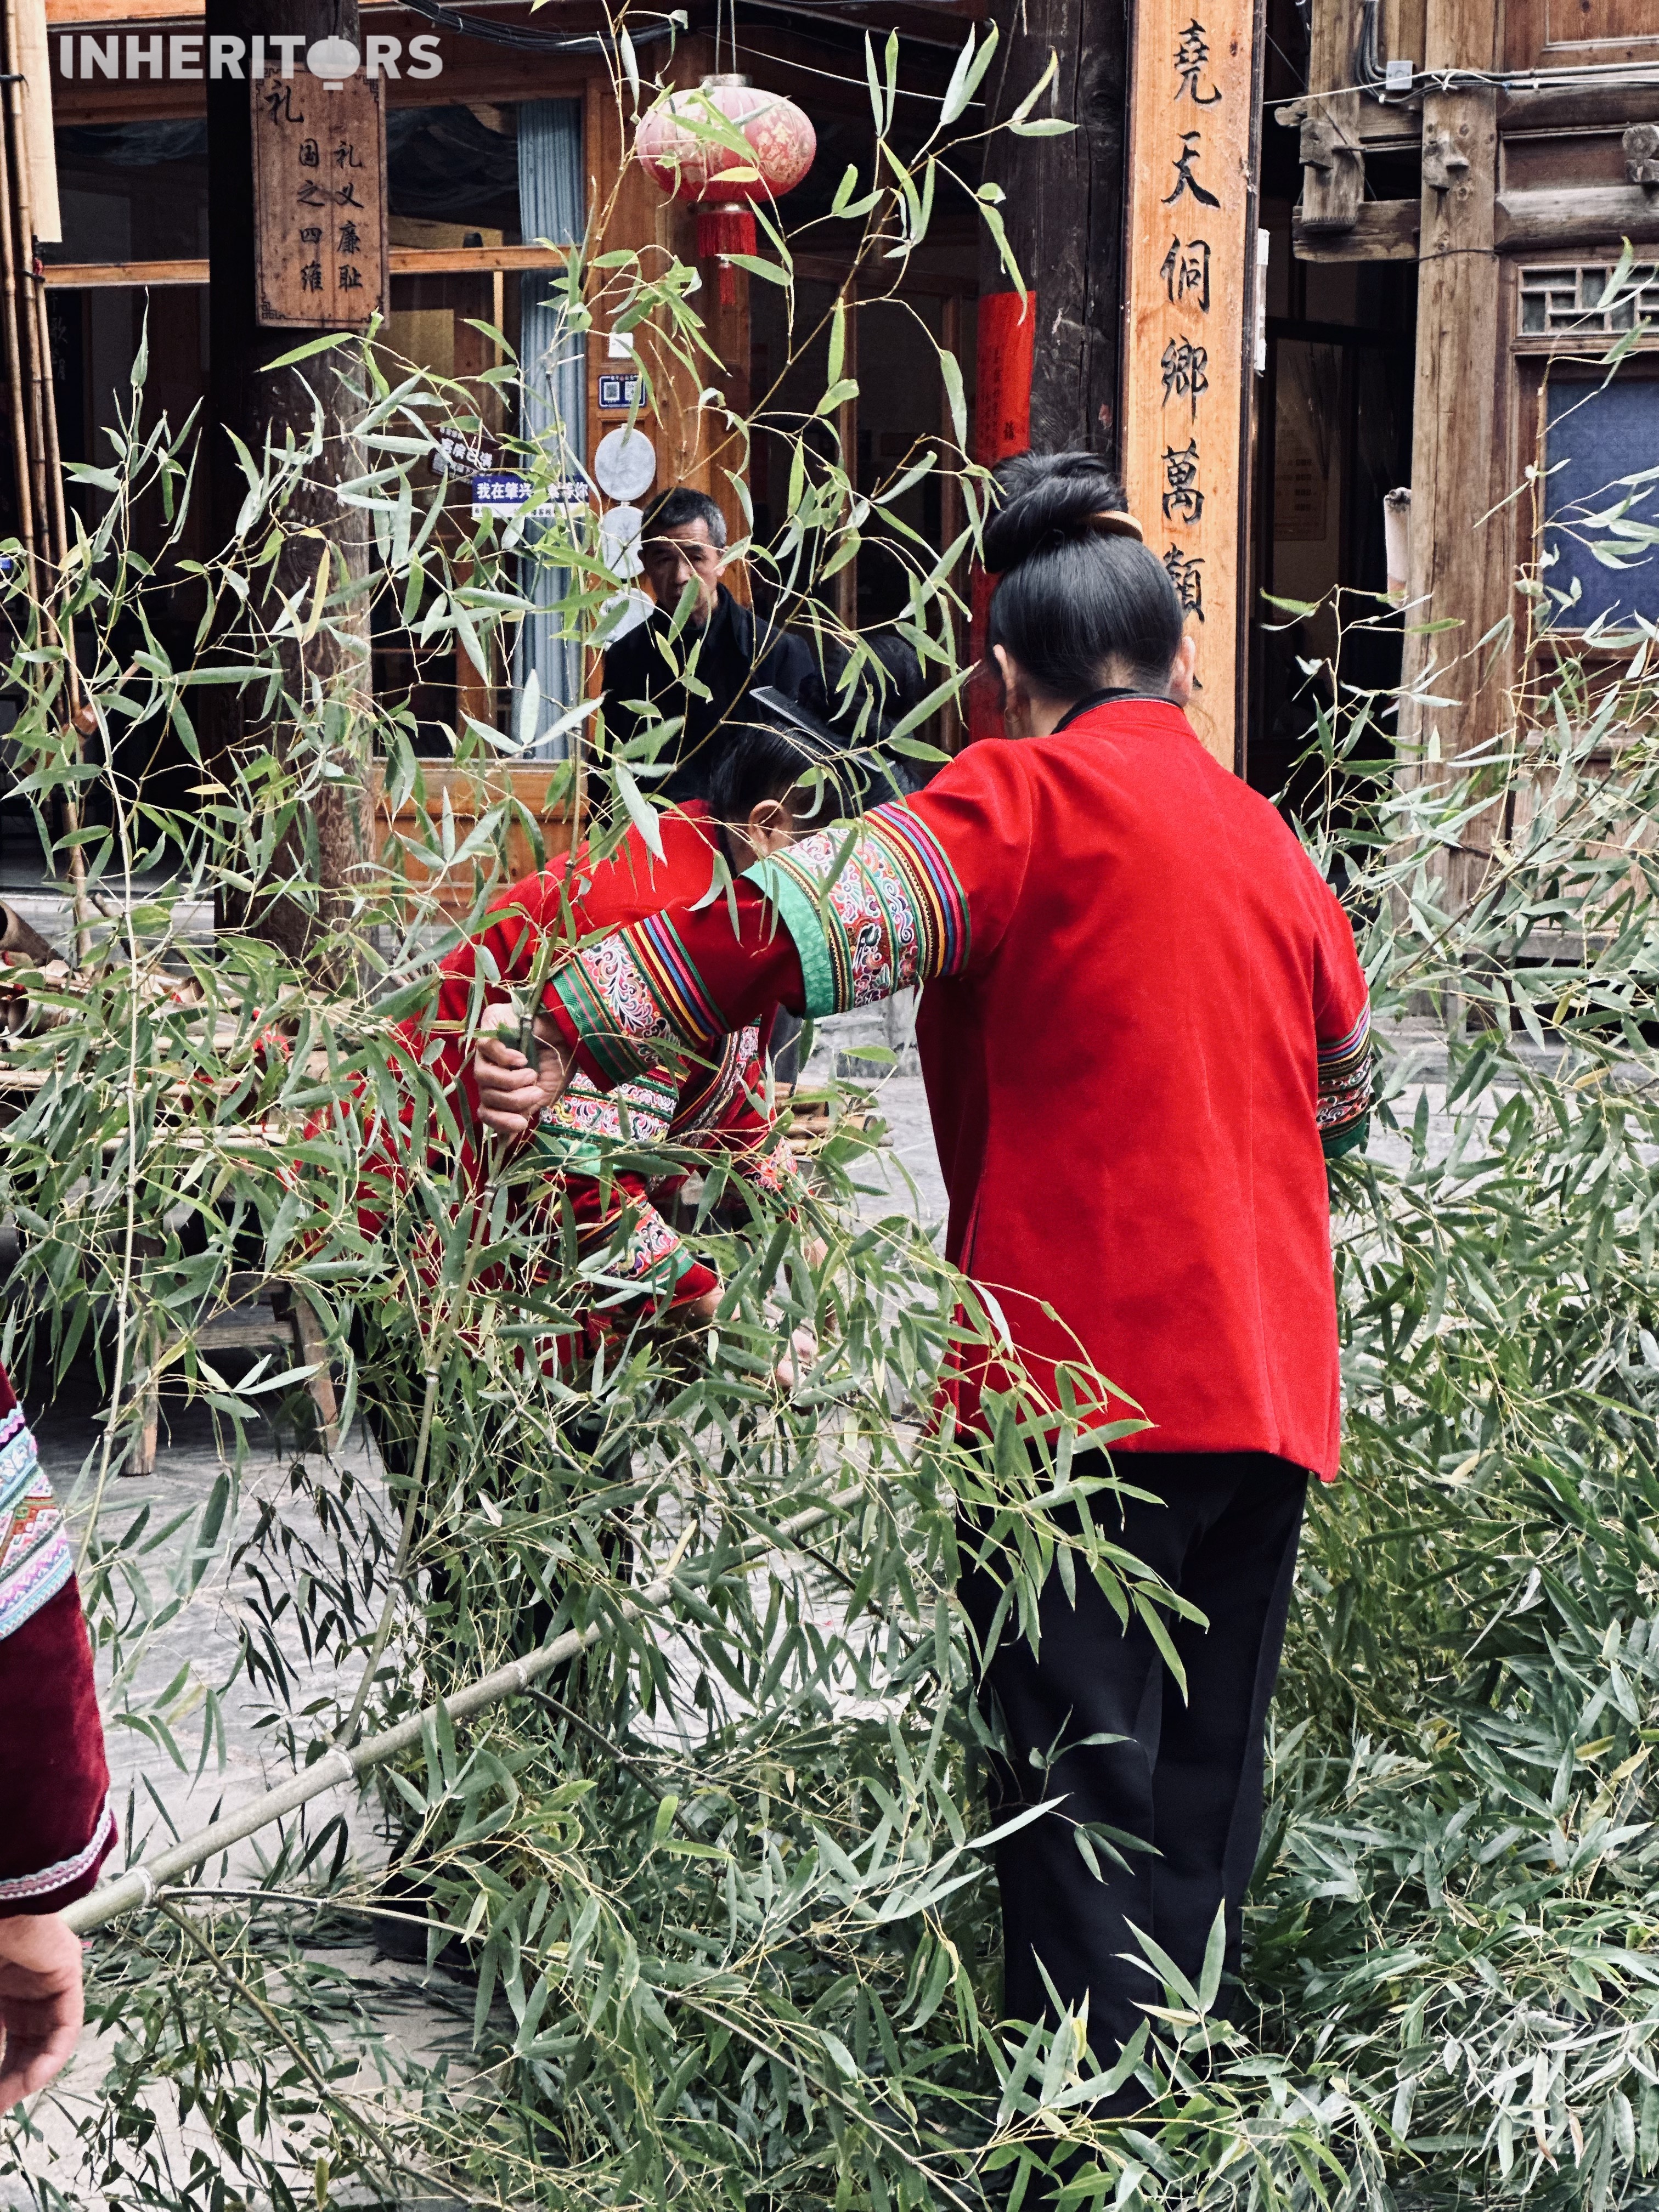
<point x="636" y="1000"/>
<point x="707" y="1092"/>
<point x="34" y="1551"/>
<point x="24" y="1888"/>
<point x="892" y="913"/>
<point x="585" y="1126"/>
<point x="1346" y="1072"/>
<point x="798" y="910"/>
<point x="634" y="1246"/>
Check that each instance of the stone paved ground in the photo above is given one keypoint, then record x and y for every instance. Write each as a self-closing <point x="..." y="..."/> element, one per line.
<point x="152" y="1792"/>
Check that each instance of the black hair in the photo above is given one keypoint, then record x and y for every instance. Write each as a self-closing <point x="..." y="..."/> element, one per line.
<point x="860" y="716"/>
<point x="1070" y="601"/>
<point x="767" y="760"/>
<point x="680" y="504"/>
<point x="878" y="697"/>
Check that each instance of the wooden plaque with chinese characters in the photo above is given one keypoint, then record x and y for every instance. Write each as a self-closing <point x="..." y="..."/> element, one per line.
<point x="319" y="203"/>
<point x="1191" y="325"/>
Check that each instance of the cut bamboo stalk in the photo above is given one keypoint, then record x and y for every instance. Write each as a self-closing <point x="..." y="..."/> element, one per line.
<point x="23" y="201"/>
<point x="20" y="441"/>
<point x="141" y="1885"/>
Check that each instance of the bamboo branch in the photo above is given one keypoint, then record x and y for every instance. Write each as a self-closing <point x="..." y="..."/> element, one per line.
<point x="141" y="1886"/>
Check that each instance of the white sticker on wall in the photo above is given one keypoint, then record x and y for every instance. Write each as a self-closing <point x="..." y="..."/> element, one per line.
<point x="619" y="540"/>
<point x="622" y="612"/>
<point x="625" y="464"/>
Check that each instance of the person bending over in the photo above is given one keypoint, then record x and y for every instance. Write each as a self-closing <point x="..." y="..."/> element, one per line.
<point x="1145" y="1030"/>
<point x="772" y="785"/>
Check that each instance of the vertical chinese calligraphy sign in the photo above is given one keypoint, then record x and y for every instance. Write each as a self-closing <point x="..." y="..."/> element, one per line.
<point x="319" y="203"/>
<point x="1190" y="325"/>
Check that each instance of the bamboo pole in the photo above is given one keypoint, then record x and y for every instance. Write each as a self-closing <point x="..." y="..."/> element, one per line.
<point x="22" y="202"/>
<point x="56" y="510"/>
<point x="14" y="360"/>
<point x="140" y="1885"/>
<point x="39" y="462"/>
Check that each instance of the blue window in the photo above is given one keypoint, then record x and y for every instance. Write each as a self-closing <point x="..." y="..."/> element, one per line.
<point x="1602" y="501"/>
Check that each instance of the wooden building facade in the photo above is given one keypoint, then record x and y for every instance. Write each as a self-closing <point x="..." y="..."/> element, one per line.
<point x="1447" y="210"/>
<point x="1404" y="290"/>
<point x="467" y="223"/>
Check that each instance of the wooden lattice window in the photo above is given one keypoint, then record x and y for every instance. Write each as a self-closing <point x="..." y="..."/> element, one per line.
<point x="1579" y="299"/>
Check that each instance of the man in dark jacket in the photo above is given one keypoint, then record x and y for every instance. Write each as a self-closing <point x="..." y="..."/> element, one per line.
<point x="682" y="541"/>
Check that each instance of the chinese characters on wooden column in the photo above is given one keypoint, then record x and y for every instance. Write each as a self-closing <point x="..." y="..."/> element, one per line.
<point x="1192" y="272"/>
<point x="319" y="203"/>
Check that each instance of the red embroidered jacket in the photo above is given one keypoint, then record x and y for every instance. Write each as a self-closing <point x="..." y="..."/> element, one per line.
<point x="1145" y="1027"/>
<point x="587" y="1138"/>
<point x="56" y="1825"/>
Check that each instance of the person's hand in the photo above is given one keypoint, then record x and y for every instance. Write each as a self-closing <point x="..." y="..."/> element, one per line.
<point x="702" y="1312"/>
<point x="816" y="1252"/>
<point x="40" y="2003"/>
<point x="802" y="1350"/>
<point x="511" y="1094"/>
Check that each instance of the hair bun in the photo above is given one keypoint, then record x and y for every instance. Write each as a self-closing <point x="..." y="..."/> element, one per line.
<point x="1047" y="499"/>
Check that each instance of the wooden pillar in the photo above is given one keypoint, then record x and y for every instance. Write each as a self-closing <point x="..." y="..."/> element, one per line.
<point x="1063" y="211"/>
<point x="1048" y="348"/>
<point x="1457" y="559"/>
<point x="245" y="398"/>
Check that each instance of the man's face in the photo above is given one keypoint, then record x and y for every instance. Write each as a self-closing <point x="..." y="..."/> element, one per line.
<point x="675" y="557"/>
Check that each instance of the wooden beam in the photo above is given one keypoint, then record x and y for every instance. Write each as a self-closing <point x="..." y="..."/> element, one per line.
<point x="1332" y="163"/>
<point x="472" y="260"/>
<point x="1383" y="230"/>
<point x="1537" y="223"/>
<point x="1578" y="107"/>
<point x="406" y="261"/>
<point x="98" y="276"/>
<point x="1390" y="129"/>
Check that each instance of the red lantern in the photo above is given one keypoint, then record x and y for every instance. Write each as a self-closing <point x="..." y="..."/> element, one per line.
<point x="717" y="180"/>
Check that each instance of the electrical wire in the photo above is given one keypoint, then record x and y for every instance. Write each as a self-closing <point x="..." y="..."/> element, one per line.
<point x="840" y="76"/>
<point x="1372" y="70"/>
<point x="528" y="40"/>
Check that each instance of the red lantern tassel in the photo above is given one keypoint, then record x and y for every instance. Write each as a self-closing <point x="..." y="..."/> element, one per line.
<point x="723" y="230"/>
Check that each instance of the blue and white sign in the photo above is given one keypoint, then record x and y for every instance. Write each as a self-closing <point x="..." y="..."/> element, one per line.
<point x="618" y="393"/>
<point x="462" y="452"/>
<point x="503" y="492"/>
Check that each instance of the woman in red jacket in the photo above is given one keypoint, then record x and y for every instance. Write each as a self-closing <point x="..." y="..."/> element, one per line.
<point x="1144" y="1030"/>
<point x="56" y="1826"/>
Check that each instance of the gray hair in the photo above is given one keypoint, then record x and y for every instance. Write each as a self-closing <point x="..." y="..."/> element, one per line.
<point x="673" y="508"/>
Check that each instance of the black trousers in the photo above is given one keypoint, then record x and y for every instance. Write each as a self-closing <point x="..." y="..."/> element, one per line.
<point x="1186" y="1775"/>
